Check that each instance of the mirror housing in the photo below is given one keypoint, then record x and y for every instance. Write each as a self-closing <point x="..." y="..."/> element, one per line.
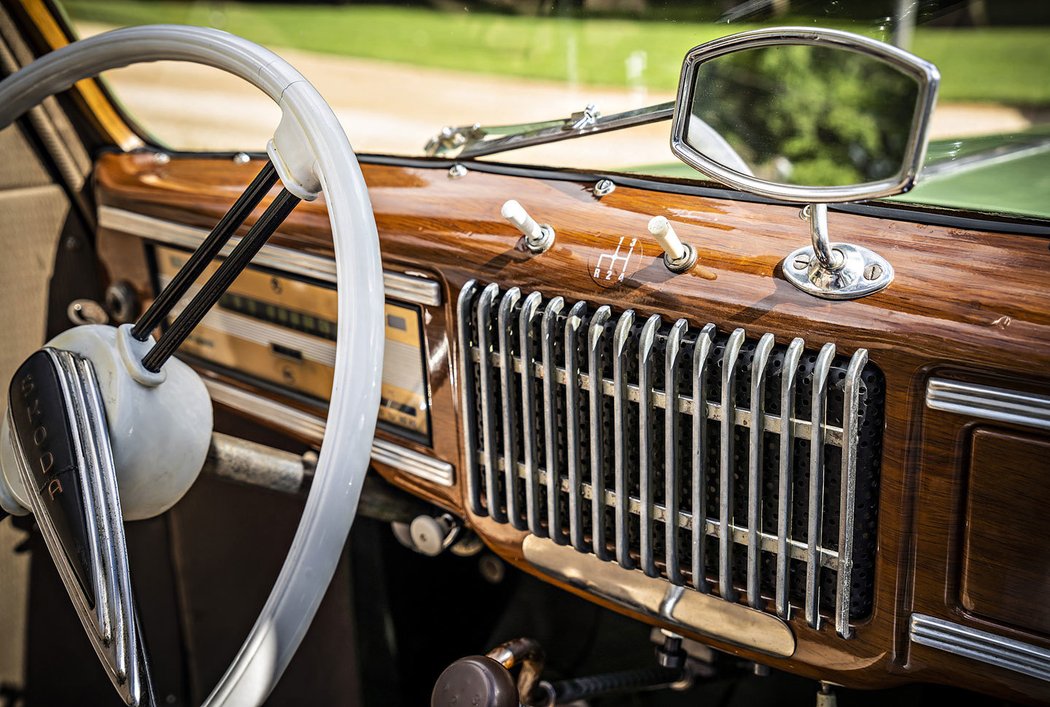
<point x="721" y="161"/>
<point x="835" y="115"/>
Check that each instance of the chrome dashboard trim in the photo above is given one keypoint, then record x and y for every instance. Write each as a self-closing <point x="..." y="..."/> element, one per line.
<point x="980" y="645"/>
<point x="288" y="418"/>
<point x="988" y="402"/>
<point x="405" y="288"/>
<point x="687" y="608"/>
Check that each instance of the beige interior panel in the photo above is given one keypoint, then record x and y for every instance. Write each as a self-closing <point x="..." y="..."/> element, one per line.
<point x="31" y="219"/>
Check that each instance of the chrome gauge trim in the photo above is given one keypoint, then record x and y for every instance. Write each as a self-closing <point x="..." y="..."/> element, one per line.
<point x="405" y="288"/>
<point x="980" y="645"/>
<point x="427" y="468"/>
<point x="988" y="402"/>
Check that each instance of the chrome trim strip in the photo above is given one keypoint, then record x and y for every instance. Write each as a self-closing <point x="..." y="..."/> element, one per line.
<point x="572" y="439"/>
<point x="788" y="380"/>
<point x="488" y="402"/>
<point x="506" y="374"/>
<point x="466" y="384"/>
<point x="754" y="468"/>
<point x="92" y="498"/>
<point x="412" y="462"/>
<point x="280" y="415"/>
<point x="666" y="602"/>
<point x="527" y="346"/>
<point x="292" y="419"/>
<point x="672" y="486"/>
<point x="725" y="481"/>
<point x="848" y="493"/>
<point x="981" y="646"/>
<point x="406" y="288"/>
<point x="550" y="415"/>
<point x="595" y="395"/>
<point x="646" y="383"/>
<point x="698" y="505"/>
<point x="621" y="335"/>
<point x="989" y="403"/>
<point x="816" y="484"/>
<point x="95" y="431"/>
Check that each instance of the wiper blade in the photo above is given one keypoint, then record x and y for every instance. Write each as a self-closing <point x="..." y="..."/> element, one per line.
<point x="476" y="140"/>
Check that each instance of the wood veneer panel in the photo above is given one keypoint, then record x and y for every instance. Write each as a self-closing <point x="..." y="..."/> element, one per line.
<point x="1005" y="549"/>
<point x="964" y="303"/>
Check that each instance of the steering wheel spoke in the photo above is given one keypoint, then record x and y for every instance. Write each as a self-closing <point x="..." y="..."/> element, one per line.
<point x="58" y="430"/>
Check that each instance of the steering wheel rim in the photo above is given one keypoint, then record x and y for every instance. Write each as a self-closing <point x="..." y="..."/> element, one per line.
<point x="313" y="154"/>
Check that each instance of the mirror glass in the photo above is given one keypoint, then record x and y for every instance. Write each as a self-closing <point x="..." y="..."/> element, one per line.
<point x="803" y="115"/>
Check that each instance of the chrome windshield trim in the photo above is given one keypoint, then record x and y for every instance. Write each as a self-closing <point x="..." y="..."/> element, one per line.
<point x="406" y="288"/>
<point x="988" y="402"/>
<point x="981" y="646"/>
<point x="470" y="141"/>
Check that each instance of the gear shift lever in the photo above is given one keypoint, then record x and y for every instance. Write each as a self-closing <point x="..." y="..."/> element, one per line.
<point x="485" y="680"/>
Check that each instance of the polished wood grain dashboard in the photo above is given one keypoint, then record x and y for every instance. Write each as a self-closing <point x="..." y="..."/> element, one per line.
<point x="961" y="570"/>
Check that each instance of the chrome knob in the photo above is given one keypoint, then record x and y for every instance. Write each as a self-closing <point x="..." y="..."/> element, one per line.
<point x="538" y="237"/>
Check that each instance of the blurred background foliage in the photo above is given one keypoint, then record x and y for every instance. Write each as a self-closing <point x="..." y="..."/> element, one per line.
<point x="977" y="44"/>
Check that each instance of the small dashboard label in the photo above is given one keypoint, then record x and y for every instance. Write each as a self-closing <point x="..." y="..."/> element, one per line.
<point x="617" y="263"/>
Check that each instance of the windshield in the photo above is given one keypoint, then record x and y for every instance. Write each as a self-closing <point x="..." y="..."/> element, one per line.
<point x="396" y="73"/>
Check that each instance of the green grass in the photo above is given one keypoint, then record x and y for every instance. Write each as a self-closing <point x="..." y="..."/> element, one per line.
<point x="1003" y="65"/>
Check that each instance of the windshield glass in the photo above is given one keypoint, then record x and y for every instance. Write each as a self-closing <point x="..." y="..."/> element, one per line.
<point x="396" y="73"/>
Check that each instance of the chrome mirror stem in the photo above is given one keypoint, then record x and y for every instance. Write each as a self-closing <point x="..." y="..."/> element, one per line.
<point x="817" y="215"/>
<point x="836" y="271"/>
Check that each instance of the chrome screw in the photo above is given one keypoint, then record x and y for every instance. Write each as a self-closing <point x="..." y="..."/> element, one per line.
<point x="873" y="271"/>
<point x="456" y="171"/>
<point x="604" y="187"/>
<point x="801" y="262"/>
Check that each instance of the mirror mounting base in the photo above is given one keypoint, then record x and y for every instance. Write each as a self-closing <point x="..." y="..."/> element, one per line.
<point x="835" y="271"/>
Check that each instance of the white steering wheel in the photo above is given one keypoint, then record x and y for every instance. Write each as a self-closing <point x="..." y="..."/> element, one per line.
<point x="311" y="154"/>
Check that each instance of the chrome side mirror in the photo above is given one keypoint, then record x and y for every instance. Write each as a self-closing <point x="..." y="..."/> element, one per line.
<point x="812" y="116"/>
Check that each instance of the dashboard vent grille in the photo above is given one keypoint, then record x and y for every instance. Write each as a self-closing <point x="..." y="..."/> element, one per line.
<point x="585" y="428"/>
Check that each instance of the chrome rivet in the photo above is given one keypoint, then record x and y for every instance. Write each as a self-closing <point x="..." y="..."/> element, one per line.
<point x="242" y="158"/>
<point x="604" y="187"/>
<point x="161" y="158"/>
<point x="456" y="171"/>
<point x="873" y="271"/>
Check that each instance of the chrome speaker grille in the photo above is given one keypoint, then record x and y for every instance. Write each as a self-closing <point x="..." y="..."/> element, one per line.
<point x="585" y="429"/>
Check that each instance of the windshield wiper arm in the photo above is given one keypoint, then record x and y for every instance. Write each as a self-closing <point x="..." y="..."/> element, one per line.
<point x="476" y="140"/>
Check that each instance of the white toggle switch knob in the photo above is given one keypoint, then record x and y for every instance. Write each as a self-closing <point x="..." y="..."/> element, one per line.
<point x="678" y="256"/>
<point x="538" y="237"/>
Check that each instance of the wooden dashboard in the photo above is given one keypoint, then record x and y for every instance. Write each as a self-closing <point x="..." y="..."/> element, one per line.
<point x="962" y="338"/>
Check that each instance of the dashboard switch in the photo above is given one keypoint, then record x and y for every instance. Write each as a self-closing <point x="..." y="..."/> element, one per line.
<point x="678" y="256"/>
<point x="538" y="237"/>
<point x="430" y="534"/>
